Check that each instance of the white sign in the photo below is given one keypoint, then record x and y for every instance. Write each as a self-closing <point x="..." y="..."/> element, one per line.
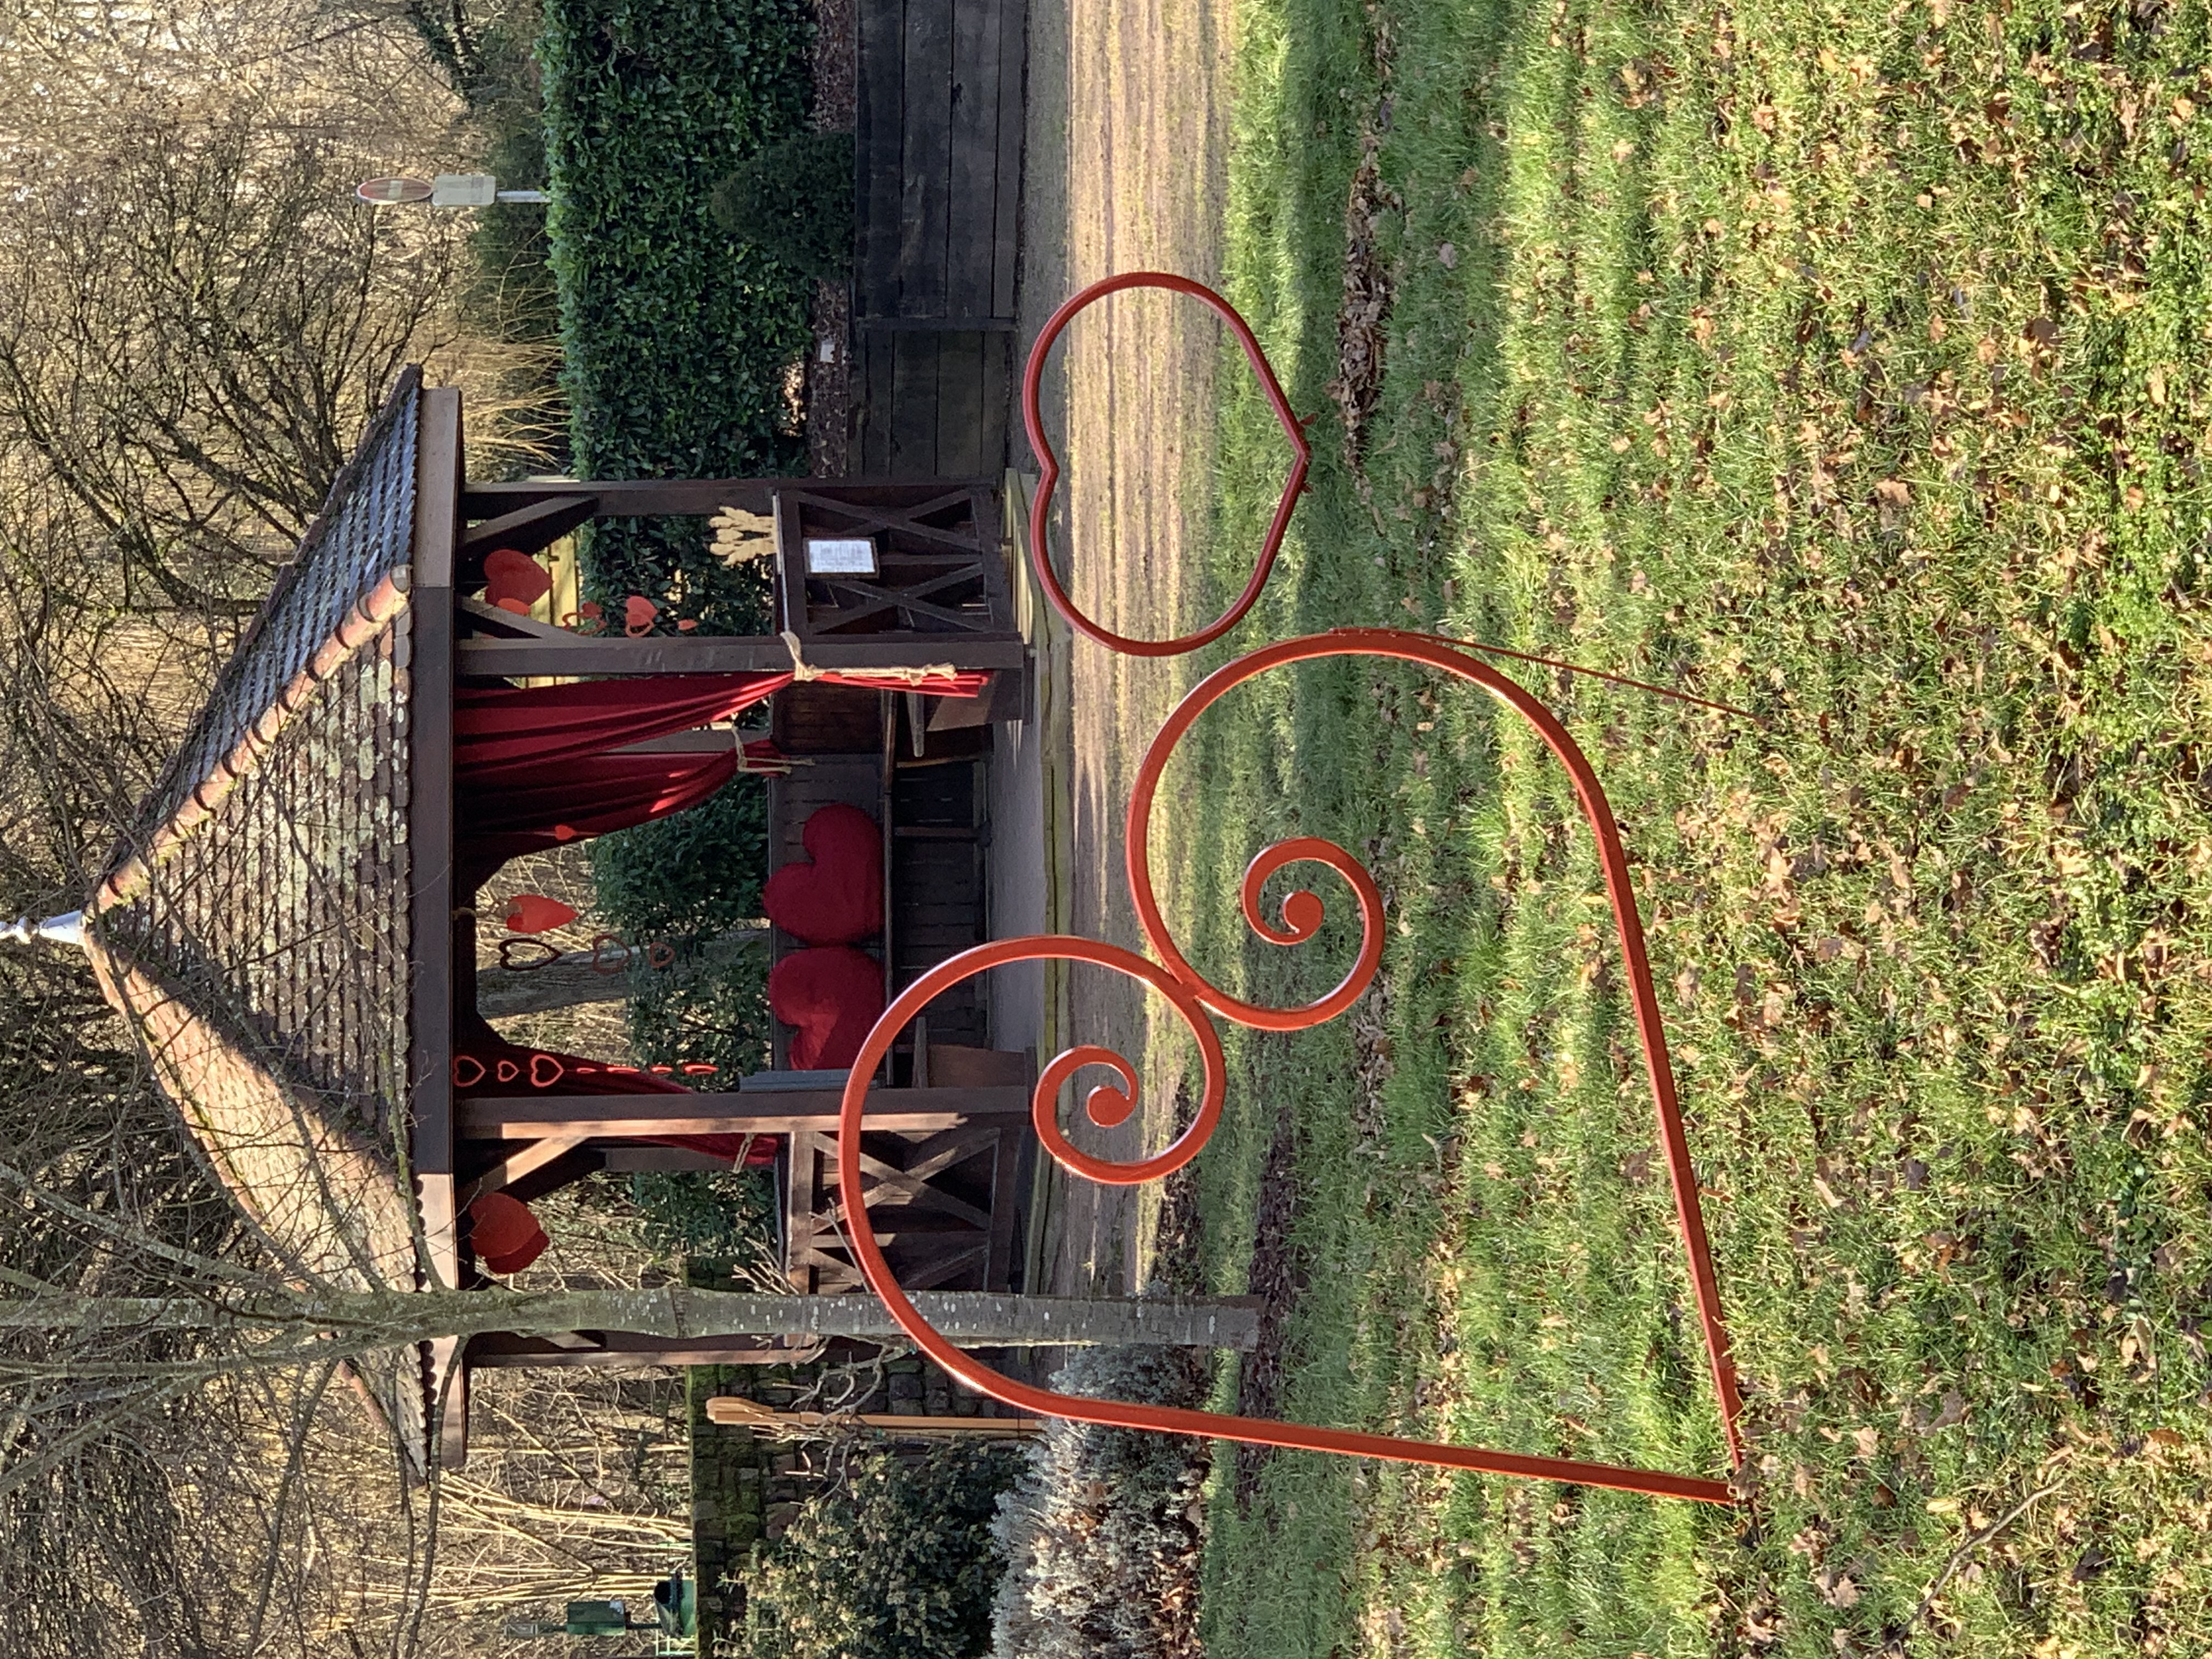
<point x="459" y="190"/>
<point x="828" y="556"/>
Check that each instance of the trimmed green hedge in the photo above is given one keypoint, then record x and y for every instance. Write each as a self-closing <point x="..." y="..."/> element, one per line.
<point x="676" y="337"/>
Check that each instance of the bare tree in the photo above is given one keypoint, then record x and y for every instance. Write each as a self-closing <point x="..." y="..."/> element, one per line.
<point x="194" y="332"/>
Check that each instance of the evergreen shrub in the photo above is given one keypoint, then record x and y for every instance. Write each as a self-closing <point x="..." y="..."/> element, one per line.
<point x="677" y="339"/>
<point x="794" y="203"/>
<point x="896" y="1563"/>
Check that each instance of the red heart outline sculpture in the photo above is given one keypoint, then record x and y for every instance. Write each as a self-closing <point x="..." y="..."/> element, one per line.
<point x="1192" y="996"/>
<point x="1041" y="509"/>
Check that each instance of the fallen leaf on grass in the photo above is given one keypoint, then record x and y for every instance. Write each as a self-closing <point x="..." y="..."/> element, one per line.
<point x="1837" y="1588"/>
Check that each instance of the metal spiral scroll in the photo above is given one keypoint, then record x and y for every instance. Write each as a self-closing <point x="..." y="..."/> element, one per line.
<point x="1196" y="1001"/>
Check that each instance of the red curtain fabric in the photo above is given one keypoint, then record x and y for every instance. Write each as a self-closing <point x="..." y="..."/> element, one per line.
<point x="505" y="733"/>
<point x="533" y="766"/>
<point x="578" y="798"/>
<point x="486" y="1063"/>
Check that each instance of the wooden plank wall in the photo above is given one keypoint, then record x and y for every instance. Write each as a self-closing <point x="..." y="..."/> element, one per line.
<point x="938" y="888"/>
<point x="938" y="146"/>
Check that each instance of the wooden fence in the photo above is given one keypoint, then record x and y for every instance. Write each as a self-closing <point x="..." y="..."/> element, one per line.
<point x="938" y="141"/>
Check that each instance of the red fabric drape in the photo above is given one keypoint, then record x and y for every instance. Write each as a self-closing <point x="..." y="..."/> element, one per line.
<point x="486" y="1063"/>
<point x="532" y="766"/>
<point x="505" y="733"/>
<point x="577" y="799"/>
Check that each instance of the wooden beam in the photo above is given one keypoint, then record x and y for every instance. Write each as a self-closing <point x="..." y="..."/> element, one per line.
<point x="528" y="529"/>
<point x="679" y="654"/>
<point x="658" y="1160"/>
<point x="431" y="922"/>
<point x="695" y="498"/>
<point x="507" y="624"/>
<point x="449" y="1395"/>
<point x="794" y="1111"/>
<point x="519" y="1164"/>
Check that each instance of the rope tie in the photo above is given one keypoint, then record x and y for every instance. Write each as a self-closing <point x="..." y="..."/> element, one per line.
<point x="803" y="671"/>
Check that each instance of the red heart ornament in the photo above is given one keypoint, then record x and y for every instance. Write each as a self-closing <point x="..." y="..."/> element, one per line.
<point x="505" y="1233"/>
<point x="835" y="896"/>
<point x="1040" y="507"/>
<point x="509" y="575"/>
<point x="533" y="913"/>
<point x="830" y="996"/>
<point x="1196" y="1001"/>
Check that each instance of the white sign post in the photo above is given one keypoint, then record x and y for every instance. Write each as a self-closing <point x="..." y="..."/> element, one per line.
<point x="448" y="190"/>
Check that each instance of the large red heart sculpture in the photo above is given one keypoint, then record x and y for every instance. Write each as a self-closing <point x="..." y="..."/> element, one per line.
<point x="505" y="1233"/>
<point x="1197" y="1001"/>
<point x="835" y="895"/>
<point x="830" y="996"/>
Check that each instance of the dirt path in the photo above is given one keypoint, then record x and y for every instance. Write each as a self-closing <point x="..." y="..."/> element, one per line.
<point x="1126" y="170"/>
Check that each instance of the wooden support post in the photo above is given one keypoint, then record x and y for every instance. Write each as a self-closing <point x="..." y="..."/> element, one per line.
<point x="694" y="653"/>
<point x="695" y="498"/>
<point x="793" y="1111"/>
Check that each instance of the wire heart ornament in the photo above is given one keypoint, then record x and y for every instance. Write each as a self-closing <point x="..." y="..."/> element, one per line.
<point x="1198" y="1003"/>
<point x="1048" y="459"/>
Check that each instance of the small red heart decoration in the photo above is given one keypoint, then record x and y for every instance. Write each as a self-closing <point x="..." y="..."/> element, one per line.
<point x="830" y="997"/>
<point x="638" y="613"/>
<point x="837" y="898"/>
<point x="504" y="1233"/>
<point x="511" y="575"/>
<point x="533" y="913"/>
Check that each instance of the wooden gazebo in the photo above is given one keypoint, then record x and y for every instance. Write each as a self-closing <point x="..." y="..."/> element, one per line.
<point x="288" y="926"/>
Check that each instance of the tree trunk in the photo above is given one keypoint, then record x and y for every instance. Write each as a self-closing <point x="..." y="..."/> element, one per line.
<point x="290" y="1326"/>
<point x="572" y="979"/>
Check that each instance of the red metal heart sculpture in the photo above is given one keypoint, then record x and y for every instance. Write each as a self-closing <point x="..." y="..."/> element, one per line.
<point x="1041" y="509"/>
<point x="1193" y="997"/>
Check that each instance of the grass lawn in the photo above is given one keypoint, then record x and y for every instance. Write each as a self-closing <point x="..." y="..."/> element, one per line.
<point x="1846" y="364"/>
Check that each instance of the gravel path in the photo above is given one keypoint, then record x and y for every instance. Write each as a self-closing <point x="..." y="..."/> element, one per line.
<point x="1126" y="170"/>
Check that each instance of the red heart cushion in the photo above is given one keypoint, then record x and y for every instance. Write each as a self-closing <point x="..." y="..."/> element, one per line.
<point x="832" y="995"/>
<point x="839" y="897"/>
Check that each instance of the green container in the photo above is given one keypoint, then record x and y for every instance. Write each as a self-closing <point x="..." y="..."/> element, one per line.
<point x="676" y="1604"/>
<point x="596" y="1618"/>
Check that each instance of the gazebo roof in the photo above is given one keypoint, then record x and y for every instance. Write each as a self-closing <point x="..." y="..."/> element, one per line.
<point x="253" y="924"/>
